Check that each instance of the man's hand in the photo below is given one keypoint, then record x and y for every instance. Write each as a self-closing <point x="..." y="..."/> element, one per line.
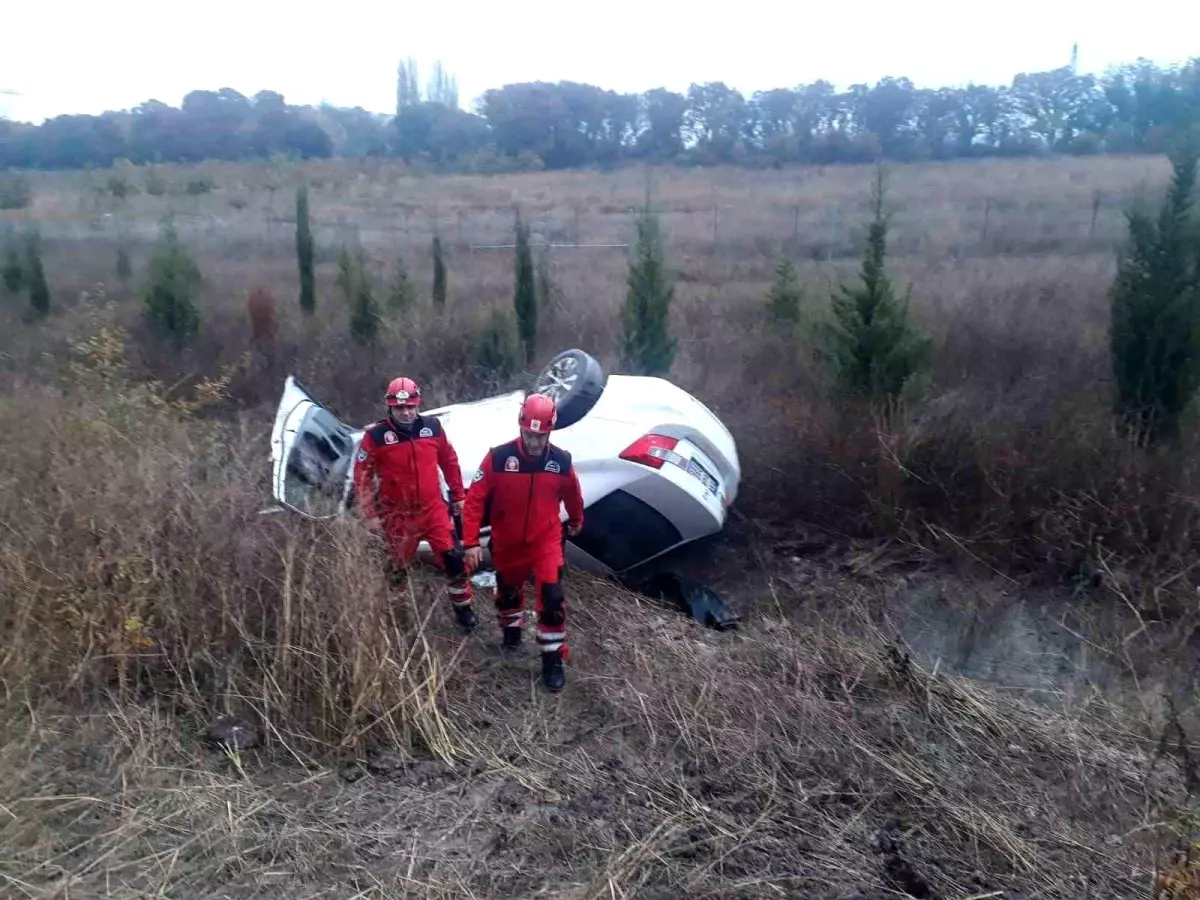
<point x="472" y="558"/>
<point x="573" y="530"/>
<point x="456" y="508"/>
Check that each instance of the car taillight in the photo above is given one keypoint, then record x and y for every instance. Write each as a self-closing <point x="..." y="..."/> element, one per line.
<point x="653" y="450"/>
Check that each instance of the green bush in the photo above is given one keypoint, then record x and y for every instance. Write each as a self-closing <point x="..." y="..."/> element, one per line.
<point x="15" y="192"/>
<point x="496" y="348"/>
<point x="172" y="291"/>
<point x="200" y="185"/>
<point x="120" y="186"/>
<point x="155" y="186"/>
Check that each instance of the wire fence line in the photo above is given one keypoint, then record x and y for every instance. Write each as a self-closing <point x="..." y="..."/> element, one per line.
<point x="815" y="231"/>
<point x="546" y="245"/>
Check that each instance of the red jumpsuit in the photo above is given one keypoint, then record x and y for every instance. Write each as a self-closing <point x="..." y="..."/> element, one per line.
<point x="396" y="479"/>
<point x="519" y="496"/>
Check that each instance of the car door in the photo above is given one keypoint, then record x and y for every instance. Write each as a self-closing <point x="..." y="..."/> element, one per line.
<point x="312" y="455"/>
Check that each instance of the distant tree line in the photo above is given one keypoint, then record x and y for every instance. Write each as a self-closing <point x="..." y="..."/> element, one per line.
<point x="1139" y="107"/>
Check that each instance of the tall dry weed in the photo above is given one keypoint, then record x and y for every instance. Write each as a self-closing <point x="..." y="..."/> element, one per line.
<point x="137" y="565"/>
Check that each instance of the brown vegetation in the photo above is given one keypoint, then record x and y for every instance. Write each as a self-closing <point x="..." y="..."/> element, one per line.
<point x="807" y="755"/>
<point x="260" y="307"/>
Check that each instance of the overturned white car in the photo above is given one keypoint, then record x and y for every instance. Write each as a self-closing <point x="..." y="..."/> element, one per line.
<point x="657" y="468"/>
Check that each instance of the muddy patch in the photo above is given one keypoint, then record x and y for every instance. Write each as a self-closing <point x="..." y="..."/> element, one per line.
<point x="985" y="632"/>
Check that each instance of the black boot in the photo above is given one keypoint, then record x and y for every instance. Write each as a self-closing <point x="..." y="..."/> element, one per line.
<point x="553" y="675"/>
<point x="466" y="616"/>
<point x="512" y="637"/>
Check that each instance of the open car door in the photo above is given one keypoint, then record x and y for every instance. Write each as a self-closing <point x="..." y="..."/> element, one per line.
<point x="312" y="455"/>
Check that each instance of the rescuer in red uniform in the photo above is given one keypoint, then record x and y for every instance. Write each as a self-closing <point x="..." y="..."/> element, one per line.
<point x="396" y="482"/>
<point x="518" y="490"/>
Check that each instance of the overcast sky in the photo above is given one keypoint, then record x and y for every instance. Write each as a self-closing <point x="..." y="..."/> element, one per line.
<point x="86" y="57"/>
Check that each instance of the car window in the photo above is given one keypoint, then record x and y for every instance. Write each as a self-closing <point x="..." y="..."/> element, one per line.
<point x="317" y="464"/>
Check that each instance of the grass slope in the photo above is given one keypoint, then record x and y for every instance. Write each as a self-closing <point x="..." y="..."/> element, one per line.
<point x="788" y="760"/>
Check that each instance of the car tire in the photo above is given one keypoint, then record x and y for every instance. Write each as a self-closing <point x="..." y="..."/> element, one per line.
<point x="575" y="380"/>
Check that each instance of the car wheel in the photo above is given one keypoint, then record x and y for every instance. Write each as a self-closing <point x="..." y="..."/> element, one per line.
<point x="575" y="380"/>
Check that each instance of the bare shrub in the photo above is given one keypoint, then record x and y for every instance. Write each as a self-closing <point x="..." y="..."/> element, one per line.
<point x="142" y="567"/>
<point x="15" y="192"/>
<point x="260" y="306"/>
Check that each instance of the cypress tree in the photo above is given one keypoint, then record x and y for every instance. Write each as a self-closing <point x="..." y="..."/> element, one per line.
<point x="1155" y="311"/>
<point x="124" y="264"/>
<point x="364" y="316"/>
<point x="403" y="293"/>
<point x="304" y="251"/>
<point x="547" y="290"/>
<point x="783" y="300"/>
<point x="524" y="295"/>
<point x="439" y="275"/>
<point x="347" y="273"/>
<point x="648" y="347"/>
<point x="14" y="272"/>
<point x="35" y="277"/>
<point x="872" y="346"/>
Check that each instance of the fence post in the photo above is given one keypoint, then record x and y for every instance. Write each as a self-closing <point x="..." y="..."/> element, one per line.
<point x="832" y="218"/>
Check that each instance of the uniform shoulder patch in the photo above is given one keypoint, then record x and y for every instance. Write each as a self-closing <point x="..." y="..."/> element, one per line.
<point x="478" y="475"/>
<point x="429" y="427"/>
<point x="362" y="455"/>
<point x="560" y="460"/>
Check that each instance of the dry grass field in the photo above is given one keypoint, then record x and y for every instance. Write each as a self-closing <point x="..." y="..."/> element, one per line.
<point x="965" y="663"/>
<point x="1011" y="449"/>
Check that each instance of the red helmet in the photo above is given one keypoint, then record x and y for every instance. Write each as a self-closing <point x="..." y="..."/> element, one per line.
<point x="538" y="414"/>
<point x="403" y="392"/>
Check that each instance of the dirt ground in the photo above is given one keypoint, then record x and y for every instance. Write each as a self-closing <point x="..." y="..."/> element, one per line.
<point x="808" y="753"/>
